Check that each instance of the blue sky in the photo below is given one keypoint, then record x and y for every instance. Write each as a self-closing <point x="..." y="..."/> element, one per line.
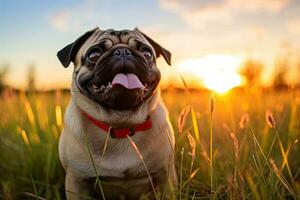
<point x="31" y="31"/>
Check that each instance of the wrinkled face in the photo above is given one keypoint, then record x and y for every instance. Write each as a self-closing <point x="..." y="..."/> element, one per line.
<point x="117" y="69"/>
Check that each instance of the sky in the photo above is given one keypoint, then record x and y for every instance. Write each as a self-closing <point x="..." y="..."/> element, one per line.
<point x="208" y="38"/>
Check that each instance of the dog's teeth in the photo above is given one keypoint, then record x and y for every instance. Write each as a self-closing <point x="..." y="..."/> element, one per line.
<point x="146" y="86"/>
<point x="109" y="85"/>
<point x="95" y="88"/>
<point x="102" y="87"/>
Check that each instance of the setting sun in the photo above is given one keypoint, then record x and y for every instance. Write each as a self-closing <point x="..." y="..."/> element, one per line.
<point x="216" y="72"/>
<point x="221" y="83"/>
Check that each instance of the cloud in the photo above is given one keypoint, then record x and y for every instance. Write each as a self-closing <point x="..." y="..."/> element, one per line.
<point x="293" y="26"/>
<point x="199" y="14"/>
<point x="74" y="19"/>
<point x="264" y="5"/>
<point x="60" y="20"/>
<point x="185" y="44"/>
<point x="257" y="32"/>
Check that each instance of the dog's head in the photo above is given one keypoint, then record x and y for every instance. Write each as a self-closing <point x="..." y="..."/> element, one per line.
<point x="115" y="69"/>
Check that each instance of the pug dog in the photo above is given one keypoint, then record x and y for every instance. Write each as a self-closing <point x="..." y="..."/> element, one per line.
<point x="117" y="140"/>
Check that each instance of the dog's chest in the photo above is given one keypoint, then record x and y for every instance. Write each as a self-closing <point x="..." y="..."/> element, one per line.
<point x="119" y="157"/>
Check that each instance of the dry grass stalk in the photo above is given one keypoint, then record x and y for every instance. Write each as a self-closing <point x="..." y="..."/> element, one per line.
<point x="58" y="115"/>
<point x="235" y="144"/>
<point x="285" y="162"/>
<point x="195" y="125"/>
<point x="270" y="120"/>
<point x="182" y="118"/>
<point x="234" y="140"/>
<point x="205" y="156"/>
<point x="181" y="167"/>
<point x="212" y="102"/>
<point x="274" y="166"/>
<point x="95" y="168"/>
<point x="34" y="196"/>
<point x="103" y="151"/>
<point x="192" y="142"/>
<point x="184" y="83"/>
<point x="244" y="120"/>
<point x="144" y="164"/>
<point x="281" y="177"/>
<point x="24" y="137"/>
<point x="29" y="112"/>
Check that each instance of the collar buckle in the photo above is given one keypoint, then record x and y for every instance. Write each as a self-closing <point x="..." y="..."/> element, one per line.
<point x="131" y="131"/>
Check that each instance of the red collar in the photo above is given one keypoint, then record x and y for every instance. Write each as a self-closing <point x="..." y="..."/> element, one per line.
<point x="120" y="132"/>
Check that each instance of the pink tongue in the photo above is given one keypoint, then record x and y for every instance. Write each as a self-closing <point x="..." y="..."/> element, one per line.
<point x="129" y="81"/>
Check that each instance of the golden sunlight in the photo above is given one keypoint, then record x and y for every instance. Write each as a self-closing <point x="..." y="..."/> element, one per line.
<point x="216" y="72"/>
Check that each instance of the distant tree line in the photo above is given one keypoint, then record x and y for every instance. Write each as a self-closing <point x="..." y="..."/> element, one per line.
<point x="252" y="70"/>
<point x="3" y="73"/>
<point x="31" y="77"/>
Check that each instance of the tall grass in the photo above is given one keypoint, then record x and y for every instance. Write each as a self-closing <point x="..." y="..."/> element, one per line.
<point x="252" y="140"/>
<point x="211" y="110"/>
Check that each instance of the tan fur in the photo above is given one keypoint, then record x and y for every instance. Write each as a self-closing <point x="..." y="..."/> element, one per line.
<point x="121" y="170"/>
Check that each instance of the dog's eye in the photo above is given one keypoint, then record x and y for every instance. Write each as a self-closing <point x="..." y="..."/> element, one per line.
<point x="94" y="55"/>
<point x="147" y="54"/>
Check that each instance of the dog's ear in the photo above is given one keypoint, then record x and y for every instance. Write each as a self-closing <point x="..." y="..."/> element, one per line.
<point x="159" y="50"/>
<point x="68" y="53"/>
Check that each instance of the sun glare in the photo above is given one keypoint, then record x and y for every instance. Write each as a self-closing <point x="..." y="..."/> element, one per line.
<point x="216" y="72"/>
<point x="222" y="83"/>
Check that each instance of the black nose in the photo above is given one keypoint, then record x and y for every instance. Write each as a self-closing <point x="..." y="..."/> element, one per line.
<point x="122" y="52"/>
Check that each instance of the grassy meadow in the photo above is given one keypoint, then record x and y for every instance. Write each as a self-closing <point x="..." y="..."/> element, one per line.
<point x="238" y="145"/>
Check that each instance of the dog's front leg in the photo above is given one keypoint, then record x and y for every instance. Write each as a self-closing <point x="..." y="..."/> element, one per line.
<point x="76" y="188"/>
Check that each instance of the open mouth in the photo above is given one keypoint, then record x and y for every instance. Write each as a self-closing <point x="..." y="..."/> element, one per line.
<point x="128" y="81"/>
<point x="123" y="91"/>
